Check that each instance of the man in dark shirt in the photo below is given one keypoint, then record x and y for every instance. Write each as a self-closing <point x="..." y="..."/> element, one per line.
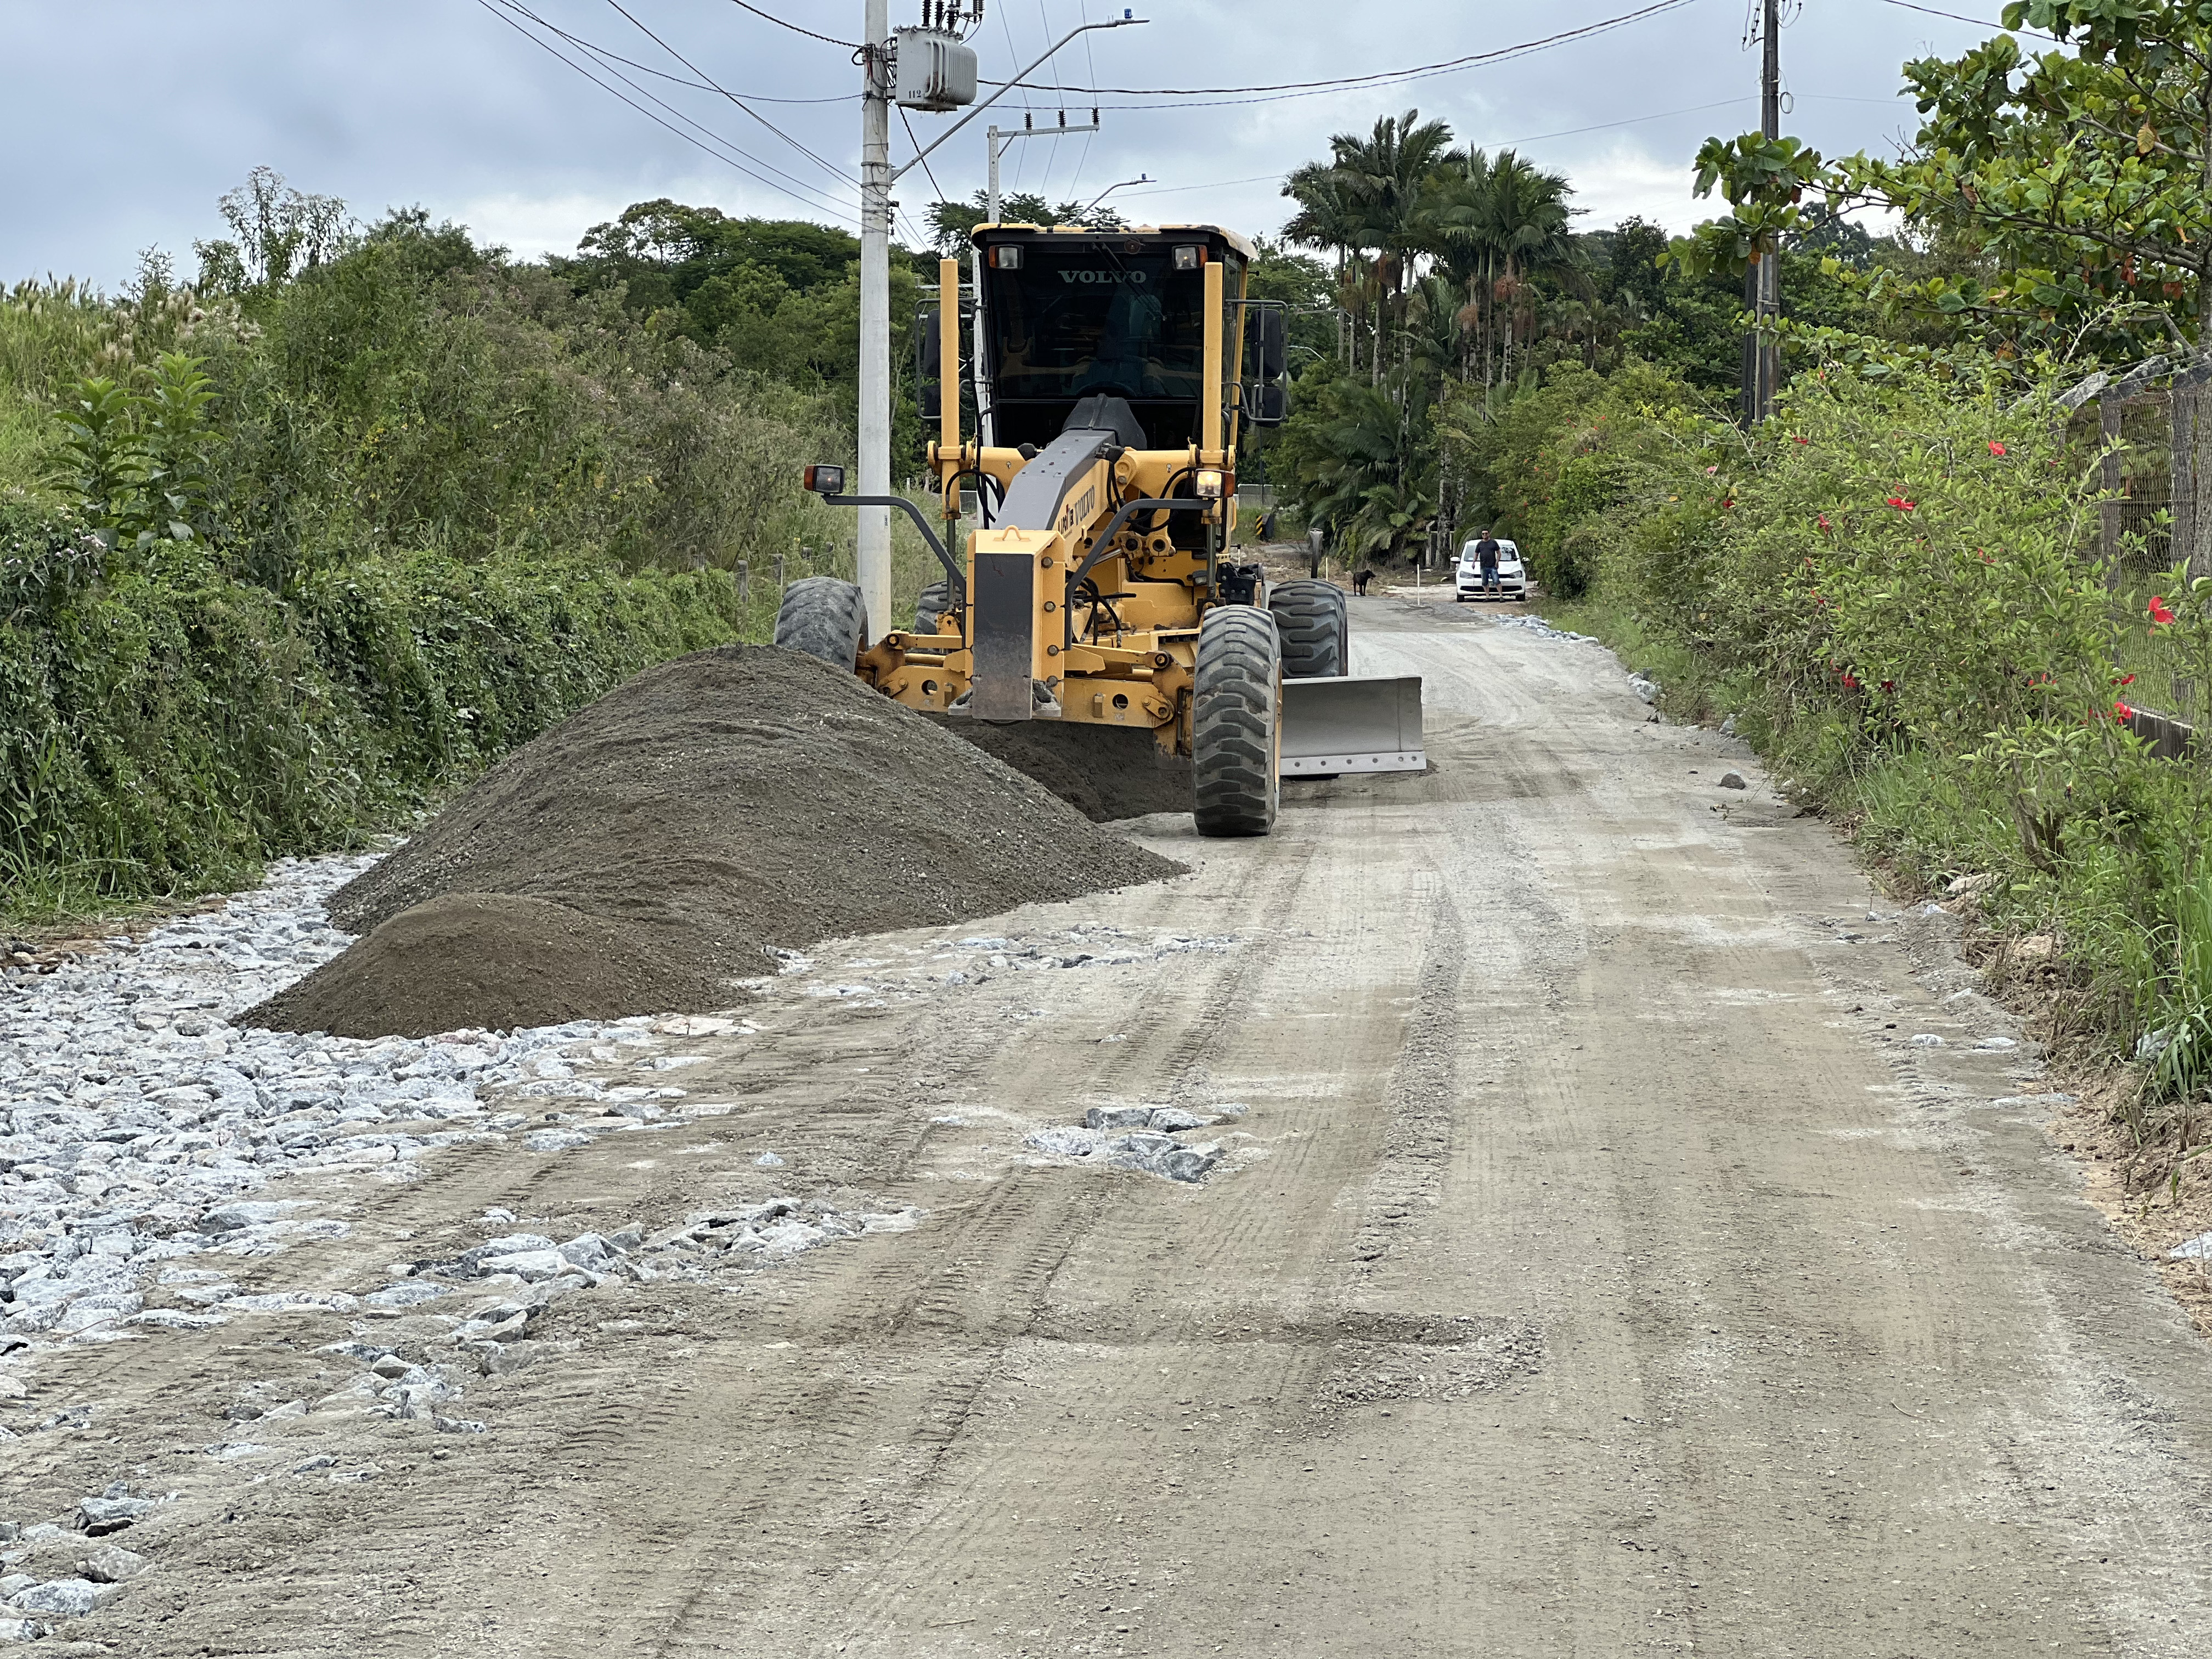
<point x="1486" y="555"/>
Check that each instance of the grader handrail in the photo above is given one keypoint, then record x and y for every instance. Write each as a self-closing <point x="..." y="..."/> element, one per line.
<point x="951" y="569"/>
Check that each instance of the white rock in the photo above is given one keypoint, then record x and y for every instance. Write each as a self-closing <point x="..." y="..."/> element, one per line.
<point x="113" y="1565"/>
<point x="68" y="1598"/>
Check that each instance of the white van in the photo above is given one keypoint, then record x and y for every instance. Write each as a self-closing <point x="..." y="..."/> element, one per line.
<point x="1512" y="575"/>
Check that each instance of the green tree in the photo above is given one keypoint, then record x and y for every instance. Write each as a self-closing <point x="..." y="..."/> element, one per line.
<point x="952" y="223"/>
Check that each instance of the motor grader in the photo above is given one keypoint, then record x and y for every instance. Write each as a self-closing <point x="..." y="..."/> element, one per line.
<point x="1111" y="375"/>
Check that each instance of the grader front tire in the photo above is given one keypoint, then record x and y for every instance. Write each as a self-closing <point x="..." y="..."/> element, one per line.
<point x="821" y="616"/>
<point x="1235" y="722"/>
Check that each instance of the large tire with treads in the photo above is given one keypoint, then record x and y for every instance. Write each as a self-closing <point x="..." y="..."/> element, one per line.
<point x="821" y="616"/>
<point x="1235" y="716"/>
<point x="936" y="600"/>
<point x="1315" y="627"/>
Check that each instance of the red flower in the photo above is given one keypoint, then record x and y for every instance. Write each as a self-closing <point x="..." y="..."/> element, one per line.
<point x="1850" y="681"/>
<point x="2122" y="713"/>
<point x="1898" y="503"/>
<point x="2158" y="613"/>
<point x="1983" y="556"/>
<point x="1824" y="521"/>
<point x="2126" y="680"/>
<point x="1889" y="685"/>
<point x="1800" y="440"/>
<point x="1996" y="448"/>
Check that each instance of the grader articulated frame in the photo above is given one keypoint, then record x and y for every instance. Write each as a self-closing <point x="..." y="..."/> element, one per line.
<point x="1109" y="378"/>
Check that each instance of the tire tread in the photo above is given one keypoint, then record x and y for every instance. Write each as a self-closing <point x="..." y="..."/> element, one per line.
<point x="1235" y="704"/>
<point x="821" y="616"/>
<point x="1314" y="624"/>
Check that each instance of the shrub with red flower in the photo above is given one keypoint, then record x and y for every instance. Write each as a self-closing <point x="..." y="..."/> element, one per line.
<point x="2158" y="613"/>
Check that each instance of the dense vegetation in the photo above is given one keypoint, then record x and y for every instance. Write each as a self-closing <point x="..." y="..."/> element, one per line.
<point x="287" y="549"/>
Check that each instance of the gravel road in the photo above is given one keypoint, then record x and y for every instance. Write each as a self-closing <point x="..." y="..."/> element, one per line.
<point x="1620" y="1233"/>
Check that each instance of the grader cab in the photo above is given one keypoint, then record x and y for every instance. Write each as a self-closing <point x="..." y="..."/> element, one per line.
<point x="1112" y="371"/>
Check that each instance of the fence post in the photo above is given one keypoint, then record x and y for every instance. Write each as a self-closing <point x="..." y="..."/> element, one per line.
<point x="745" y="574"/>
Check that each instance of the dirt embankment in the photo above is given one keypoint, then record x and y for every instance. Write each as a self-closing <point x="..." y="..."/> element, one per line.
<point x="654" y="849"/>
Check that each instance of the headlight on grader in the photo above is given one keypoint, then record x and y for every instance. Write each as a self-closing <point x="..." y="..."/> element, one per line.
<point x="825" y="480"/>
<point x="1208" y="484"/>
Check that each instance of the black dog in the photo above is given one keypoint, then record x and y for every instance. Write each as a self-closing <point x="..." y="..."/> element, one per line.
<point x="1360" y="580"/>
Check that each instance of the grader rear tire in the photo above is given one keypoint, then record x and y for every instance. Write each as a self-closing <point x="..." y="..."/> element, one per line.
<point x="936" y="600"/>
<point x="1235" y="722"/>
<point x="821" y="617"/>
<point x="1316" y="628"/>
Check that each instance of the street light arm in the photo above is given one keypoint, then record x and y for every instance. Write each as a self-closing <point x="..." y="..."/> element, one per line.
<point x="1141" y="178"/>
<point x="1111" y="23"/>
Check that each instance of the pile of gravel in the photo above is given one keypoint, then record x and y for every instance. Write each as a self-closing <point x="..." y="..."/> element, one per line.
<point x="1104" y="772"/>
<point x="658" y="849"/>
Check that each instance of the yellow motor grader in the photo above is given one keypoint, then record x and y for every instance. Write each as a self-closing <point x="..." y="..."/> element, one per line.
<point x="1110" y="376"/>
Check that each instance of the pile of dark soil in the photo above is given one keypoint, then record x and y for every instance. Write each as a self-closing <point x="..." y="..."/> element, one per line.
<point x="652" y="850"/>
<point x="1104" y="772"/>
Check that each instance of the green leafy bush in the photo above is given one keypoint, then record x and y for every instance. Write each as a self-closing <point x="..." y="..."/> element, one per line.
<point x="168" y="730"/>
<point x="1893" y="585"/>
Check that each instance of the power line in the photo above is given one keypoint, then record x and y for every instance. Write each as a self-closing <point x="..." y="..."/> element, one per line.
<point x="1960" y="17"/>
<point x="929" y="172"/>
<point x="1007" y="29"/>
<point x="612" y="57"/>
<point x="499" y="11"/>
<point x="1090" y="63"/>
<point x="1497" y="144"/>
<point x="1313" y="89"/>
<point x="517" y="6"/>
<point x="833" y="170"/>
<point x="850" y="45"/>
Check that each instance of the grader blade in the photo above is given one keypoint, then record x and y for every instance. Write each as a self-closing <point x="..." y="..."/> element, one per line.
<point x="1342" y="724"/>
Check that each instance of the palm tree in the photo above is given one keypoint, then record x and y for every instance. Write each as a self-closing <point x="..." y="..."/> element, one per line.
<point x="1369" y="199"/>
<point x="1495" y="221"/>
<point x="1330" y="219"/>
<point x="1367" y="468"/>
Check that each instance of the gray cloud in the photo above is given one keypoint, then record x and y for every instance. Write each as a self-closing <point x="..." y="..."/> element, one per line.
<point x="127" y="118"/>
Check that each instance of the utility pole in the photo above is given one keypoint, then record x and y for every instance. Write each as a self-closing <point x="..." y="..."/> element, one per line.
<point x="873" y="551"/>
<point x="1762" y="352"/>
<point x="1001" y="136"/>
<point x="873" y="554"/>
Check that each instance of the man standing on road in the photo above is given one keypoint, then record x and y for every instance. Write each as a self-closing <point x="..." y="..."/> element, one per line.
<point x="1486" y="555"/>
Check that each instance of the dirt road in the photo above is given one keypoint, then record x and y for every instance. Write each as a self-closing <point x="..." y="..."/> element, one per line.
<point x="1604" y="1264"/>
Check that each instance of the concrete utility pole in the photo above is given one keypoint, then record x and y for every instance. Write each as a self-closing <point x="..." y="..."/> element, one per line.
<point x="1001" y="136"/>
<point x="874" y="551"/>
<point x="1762" y="352"/>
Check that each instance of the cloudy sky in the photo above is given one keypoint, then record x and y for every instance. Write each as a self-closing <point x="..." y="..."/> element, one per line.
<point x="123" y="121"/>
